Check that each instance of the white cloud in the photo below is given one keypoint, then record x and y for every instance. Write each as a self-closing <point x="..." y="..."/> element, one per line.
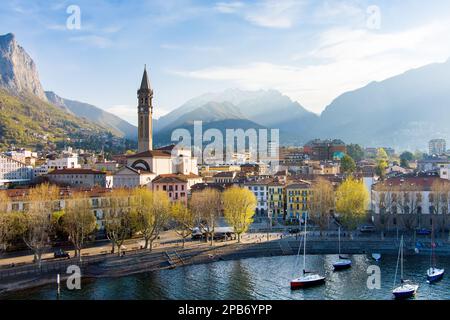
<point x="126" y="112"/>
<point x="344" y="60"/>
<point x="198" y="48"/>
<point x="280" y="14"/>
<point x="93" y="40"/>
<point x="228" y="7"/>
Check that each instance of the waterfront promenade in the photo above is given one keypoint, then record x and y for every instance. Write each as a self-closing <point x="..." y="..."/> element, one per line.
<point x="168" y="253"/>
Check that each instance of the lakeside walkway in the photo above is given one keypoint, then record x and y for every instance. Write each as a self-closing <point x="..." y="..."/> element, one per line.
<point x="169" y="254"/>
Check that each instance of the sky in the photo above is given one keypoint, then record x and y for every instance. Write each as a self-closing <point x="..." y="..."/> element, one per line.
<point x="311" y="51"/>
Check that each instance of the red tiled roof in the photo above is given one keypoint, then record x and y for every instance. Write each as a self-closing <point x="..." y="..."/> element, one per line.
<point x="75" y="171"/>
<point x="423" y="183"/>
<point x="174" y="178"/>
<point x="151" y="154"/>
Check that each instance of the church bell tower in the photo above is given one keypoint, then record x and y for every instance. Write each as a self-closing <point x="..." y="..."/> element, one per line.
<point x="145" y="114"/>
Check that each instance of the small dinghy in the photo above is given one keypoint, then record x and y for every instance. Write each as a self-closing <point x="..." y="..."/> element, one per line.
<point x="376" y="256"/>
<point x="407" y="289"/>
<point x="308" y="279"/>
<point x="343" y="262"/>
<point x="435" y="274"/>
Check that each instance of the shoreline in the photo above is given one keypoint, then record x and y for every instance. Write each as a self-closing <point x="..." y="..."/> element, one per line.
<point x="142" y="262"/>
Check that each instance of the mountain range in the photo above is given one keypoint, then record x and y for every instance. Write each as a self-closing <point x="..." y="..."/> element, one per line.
<point x="403" y="112"/>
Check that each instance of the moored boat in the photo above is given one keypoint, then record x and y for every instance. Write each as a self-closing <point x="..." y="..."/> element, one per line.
<point x="434" y="274"/>
<point x="376" y="256"/>
<point x="308" y="279"/>
<point x="343" y="262"/>
<point x="407" y="289"/>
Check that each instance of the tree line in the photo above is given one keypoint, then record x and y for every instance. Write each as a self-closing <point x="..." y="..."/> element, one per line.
<point x="126" y="213"/>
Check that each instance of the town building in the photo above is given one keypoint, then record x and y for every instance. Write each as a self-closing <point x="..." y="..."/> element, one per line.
<point x="411" y="202"/>
<point x="177" y="186"/>
<point x="297" y="200"/>
<point x="166" y="160"/>
<point x="128" y="177"/>
<point x="437" y="147"/>
<point x="260" y="190"/>
<point x="225" y="177"/>
<point x="14" y="172"/>
<point x="99" y="202"/>
<point x="276" y="200"/>
<point x="22" y="155"/>
<point x="78" y="178"/>
<point x="325" y="149"/>
<point x="432" y="164"/>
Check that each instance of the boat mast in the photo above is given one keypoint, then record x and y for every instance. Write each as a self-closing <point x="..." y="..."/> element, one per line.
<point x="339" y="236"/>
<point x="304" y="247"/>
<point x="401" y="257"/>
<point x="432" y="257"/>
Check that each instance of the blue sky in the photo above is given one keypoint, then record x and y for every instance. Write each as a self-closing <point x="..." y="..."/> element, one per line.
<point x="311" y="51"/>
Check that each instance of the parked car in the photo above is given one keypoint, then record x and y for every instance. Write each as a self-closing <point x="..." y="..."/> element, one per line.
<point x="60" y="253"/>
<point x="294" y="230"/>
<point x="367" y="229"/>
<point x="423" y="232"/>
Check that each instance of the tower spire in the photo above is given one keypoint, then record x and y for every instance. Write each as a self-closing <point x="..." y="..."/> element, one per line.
<point x="145" y="84"/>
<point x="145" y="113"/>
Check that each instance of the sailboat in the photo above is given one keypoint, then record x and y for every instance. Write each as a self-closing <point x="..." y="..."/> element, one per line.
<point x="343" y="262"/>
<point x="308" y="279"/>
<point x="434" y="274"/>
<point x="407" y="289"/>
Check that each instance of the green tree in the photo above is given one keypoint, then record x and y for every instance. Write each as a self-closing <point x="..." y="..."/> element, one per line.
<point x="405" y="158"/>
<point x="355" y="151"/>
<point x="184" y="220"/>
<point x="150" y="212"/>
<point x="239" y="206"/>
<point x="352" y="199"/>
<point x="348" y="165"/>
<point x="382" y="163"/>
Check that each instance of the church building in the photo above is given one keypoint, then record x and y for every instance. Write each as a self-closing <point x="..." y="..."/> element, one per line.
<point x="152" y="163"/>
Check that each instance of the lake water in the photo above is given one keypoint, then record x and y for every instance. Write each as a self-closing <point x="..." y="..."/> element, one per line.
<point x="256" y="278"/>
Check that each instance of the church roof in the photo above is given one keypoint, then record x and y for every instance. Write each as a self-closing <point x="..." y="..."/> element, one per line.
<point x="151" y="154"/>
<point x="175" y="178"/>
<point x="145" y="84"/>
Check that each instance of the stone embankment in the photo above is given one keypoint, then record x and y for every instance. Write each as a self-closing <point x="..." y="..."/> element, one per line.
<point x="144" y="261"/>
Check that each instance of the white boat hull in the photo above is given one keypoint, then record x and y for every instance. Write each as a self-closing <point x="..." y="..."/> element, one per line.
<point x="308" y="280"/>
<point x="405" y="291"/>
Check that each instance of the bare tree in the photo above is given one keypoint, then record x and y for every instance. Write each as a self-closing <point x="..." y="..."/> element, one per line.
<point x="207" y="208"/>
<point x="78" y="220"/>
<point x="321" y="203"/>
<point x="409" y="203"/>
<point x="4" y="221"/>
<point x="439" y="198"/>
<point x="118" y="219"/>
<point x="37" y="218"/>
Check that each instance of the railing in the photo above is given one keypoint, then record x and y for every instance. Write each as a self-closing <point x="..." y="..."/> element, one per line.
<point x="60" y="265"/>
